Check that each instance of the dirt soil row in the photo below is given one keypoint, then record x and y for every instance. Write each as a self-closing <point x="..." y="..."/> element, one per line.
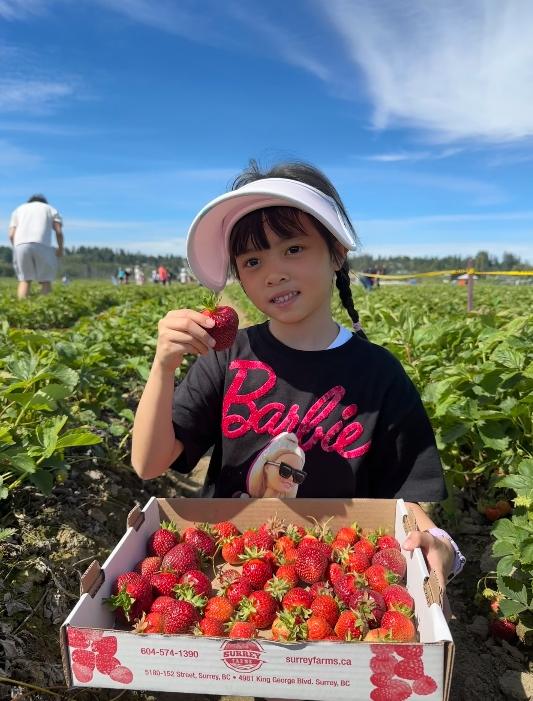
<point x="58" y="536"/>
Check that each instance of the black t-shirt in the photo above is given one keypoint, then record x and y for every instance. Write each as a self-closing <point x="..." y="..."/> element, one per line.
<point x="357" y="416"/>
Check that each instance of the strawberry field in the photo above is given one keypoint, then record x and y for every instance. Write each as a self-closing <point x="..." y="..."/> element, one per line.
<point x="72" y="367"/>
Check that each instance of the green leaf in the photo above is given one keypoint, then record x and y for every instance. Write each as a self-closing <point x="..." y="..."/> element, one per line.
<point x="513" y="588"/>
<point x="526" y="551"/>
<point x="503" y="547"/>
<point x="511" y="608"/>
<point x="505" y="565"/>
<point x="77" y="437"/>
<point x="493" y="436"/>
<point x="455" y="432"/>
<point x="43" y="480"/>
<point x="23" y="462"/>
<point x="504" y="529"/>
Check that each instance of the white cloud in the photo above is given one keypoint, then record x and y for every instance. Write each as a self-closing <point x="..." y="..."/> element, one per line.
<point x="14" y="157"/>
<point x="397" y="156"/>
<point x="20" y="9"/>
<point x="26" y="95"/>
<point x="458" y="70"/>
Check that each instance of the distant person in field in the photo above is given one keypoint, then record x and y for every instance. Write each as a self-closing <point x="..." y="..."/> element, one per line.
<point x="162" y="273"/>
<point x="30" y="233"/>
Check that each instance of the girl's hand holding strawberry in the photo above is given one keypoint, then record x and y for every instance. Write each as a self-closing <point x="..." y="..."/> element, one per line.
<point x="182" y="331"/>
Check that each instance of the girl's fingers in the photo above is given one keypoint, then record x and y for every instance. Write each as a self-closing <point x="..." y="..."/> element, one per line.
<point x="187" y="326"/>
<point x="181" y="339"/>
<point x="201" y="319"/>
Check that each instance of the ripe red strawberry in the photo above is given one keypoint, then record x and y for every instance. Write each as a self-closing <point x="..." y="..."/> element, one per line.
<point x="225" y="529"/>
<point x="198" y="580"/>
<point x="232" y="549"/>
<point x="348" y="533"/>
<point x="387" y="541"/>
<point x="105" y="646"/>
<point x="121" y="674"/>
<point x="366" y="546"/>
<point x="201" y="540"/>
<point x="219" y="607"/>
<point x="149" y="565"/>
<point x="319" y="588"/>
<point x="180" y="617"/>
<point x="161" y="603"/>
<point x="401" y="628"/>
<point x="260" y="539"/>
<point x="334" y="572"/>
<point x="132" y="596"/>
<point x="257" y="572"/>
<point x="398" y="598"/>
<point x="315" y="544"/>
<point x="236" y="591"/>
<point x="357" y="562"/>
<point x="394" y="690"/>
<point x="297" y="600"/>
<point x="392" y="559"/>
<point x="379" y="577"/>
<point x="325" y="606"/>
<point x="317" y="628"/>
<point x="242" y="629"/>
<point x="410" y="668"/>
<point x="106" y="663"/>
<point x="165" y="538"/>
<point x="163" y="583"/>
<point x="152" y="622"/>
<point x="424" y="685"/>
<point x="350" y="626"/>
<point x="370" y="604"/>
<point x="84" y="657"/>
<point x="344" y="587"/>
<point x="211" y="627"/>
<point x="181" y="558"/>
<point x="284" y="543"/>
<point x="503" y="629"/>
<point x="226" y="323"/>
<point x="311" y="564"/>
<point x="260" y="608"/>
<point x="288" y="573"/>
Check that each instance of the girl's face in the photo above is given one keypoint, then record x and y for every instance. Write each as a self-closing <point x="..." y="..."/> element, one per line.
<point x="273" y="479"/>
<point x="291" y="281"/>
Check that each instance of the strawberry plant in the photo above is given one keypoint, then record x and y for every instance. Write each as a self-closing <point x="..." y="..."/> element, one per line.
<point x="513" y="546"/>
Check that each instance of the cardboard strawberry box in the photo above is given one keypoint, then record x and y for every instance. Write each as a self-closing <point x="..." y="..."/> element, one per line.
<point x="258" y="667"/>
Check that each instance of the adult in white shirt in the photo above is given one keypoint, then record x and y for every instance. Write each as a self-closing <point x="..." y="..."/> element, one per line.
<point x="34" y="256"/>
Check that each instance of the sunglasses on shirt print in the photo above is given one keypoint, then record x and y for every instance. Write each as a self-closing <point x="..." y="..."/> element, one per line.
<point x="285" y="471"/>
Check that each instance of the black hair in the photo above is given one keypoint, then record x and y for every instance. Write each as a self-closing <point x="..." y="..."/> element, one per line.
<point x="38" y="198"/>
<point x="249" y="231"/>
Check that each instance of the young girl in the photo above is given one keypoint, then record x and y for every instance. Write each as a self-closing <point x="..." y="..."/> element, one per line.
<point x="285" y="235"/>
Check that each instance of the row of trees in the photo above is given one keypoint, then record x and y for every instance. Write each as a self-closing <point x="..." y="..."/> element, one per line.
<point x="482" y="261"/>
<point x="94" y="262"/>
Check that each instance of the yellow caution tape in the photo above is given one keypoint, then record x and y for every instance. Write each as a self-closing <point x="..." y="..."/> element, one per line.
<point x="439" y="273"/>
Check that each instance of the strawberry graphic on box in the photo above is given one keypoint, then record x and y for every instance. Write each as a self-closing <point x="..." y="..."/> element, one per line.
<point x="397" y="672"/>
<point x="92" y="651"/>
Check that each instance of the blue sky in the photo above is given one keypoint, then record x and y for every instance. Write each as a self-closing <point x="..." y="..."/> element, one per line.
<point x="130" y="114"/>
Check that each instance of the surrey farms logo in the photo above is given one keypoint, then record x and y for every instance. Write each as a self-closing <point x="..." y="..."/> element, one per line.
<point x="242" y="655"/>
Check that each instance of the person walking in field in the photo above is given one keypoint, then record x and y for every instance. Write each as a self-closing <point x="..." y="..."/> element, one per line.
<point x="30" y="233"/>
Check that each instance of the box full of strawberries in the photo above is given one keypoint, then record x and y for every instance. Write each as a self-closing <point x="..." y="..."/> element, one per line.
<point x="293" y="598"/>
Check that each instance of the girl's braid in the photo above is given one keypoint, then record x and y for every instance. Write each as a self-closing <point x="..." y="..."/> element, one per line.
<point x="345" y="293"/>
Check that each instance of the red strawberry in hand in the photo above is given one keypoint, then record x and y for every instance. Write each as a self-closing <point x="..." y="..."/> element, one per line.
<point x="226" y="323"/>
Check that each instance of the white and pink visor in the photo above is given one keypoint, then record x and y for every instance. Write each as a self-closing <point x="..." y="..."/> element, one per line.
<point x="208" y="237"/>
